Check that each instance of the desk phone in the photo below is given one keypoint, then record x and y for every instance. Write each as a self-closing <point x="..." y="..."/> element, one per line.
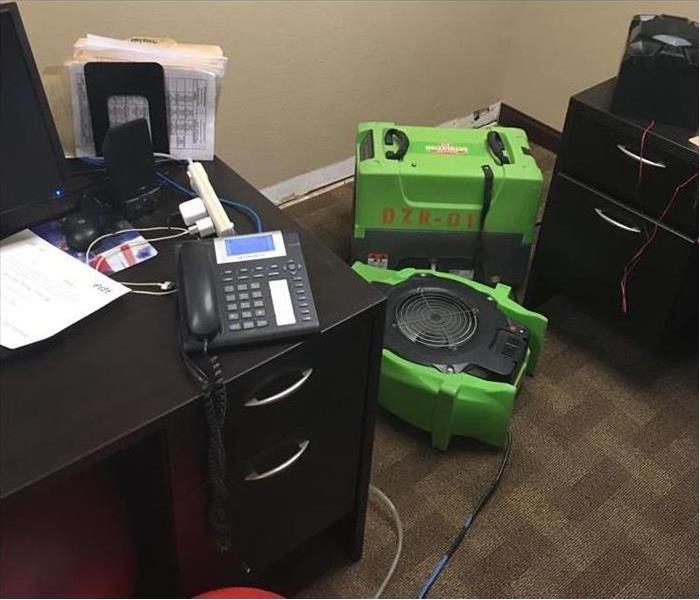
<point x="244" y="289"/>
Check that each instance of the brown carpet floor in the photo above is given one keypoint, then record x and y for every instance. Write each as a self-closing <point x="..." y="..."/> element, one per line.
<point x="600" y="498"/>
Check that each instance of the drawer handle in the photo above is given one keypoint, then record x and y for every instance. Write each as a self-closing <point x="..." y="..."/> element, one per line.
<point x="284" y="393"/>
<point x="255" y="476"/>
<point x="605" y="217"/>
<point x="641" y="159"/>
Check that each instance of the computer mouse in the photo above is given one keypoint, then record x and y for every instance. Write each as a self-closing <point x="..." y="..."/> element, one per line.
<point x="80" y="231"/>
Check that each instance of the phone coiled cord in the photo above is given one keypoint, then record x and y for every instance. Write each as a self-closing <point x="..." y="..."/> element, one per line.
<point x="215" y="402"/>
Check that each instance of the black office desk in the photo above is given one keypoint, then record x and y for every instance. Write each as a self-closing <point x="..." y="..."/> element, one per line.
<point x="115" y="378"/>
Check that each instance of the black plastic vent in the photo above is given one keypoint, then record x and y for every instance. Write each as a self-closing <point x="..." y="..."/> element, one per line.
<point x="512" y="347"/>
<point x="509" y="350"/>
<point x="436" y="319"/>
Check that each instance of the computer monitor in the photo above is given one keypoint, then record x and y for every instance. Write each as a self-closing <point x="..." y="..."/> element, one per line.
<point x="33" y="170"/>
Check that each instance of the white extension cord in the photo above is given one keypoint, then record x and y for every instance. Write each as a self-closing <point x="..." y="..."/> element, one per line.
<point x="199" y="181"/>
<point x="399" y="538"/>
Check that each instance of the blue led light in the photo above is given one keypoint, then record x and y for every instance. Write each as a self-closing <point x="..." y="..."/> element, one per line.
<point x="57" y="192"/>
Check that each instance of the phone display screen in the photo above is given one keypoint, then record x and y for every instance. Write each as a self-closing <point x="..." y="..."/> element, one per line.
<point x="238" y="246"/>
<point x="247" y="248"/>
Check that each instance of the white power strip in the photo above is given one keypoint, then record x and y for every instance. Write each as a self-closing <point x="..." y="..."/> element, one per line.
<point x="199" y="181"/>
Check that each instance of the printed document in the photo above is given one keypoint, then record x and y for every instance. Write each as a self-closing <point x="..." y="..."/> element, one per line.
<point x="43" y="290"/>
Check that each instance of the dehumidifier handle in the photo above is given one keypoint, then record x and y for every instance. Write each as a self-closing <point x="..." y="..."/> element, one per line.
<point x="496" y="145"/>
<point x="402" y="139"/>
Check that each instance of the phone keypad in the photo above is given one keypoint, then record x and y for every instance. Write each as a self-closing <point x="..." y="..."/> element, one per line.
<point x="246" y="298"/>
<point x="245" y="314"/>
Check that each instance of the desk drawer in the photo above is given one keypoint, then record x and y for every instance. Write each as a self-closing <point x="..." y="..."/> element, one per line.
<point x="605" y="157"/>
<point x="281" y="501"/>
<point x="271" y="516"/>
<point x="586" y="241"/>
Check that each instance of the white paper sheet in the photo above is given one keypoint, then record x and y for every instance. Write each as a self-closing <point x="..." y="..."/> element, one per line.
<point x="190" y="102"/>
<point x="43" y="290"/>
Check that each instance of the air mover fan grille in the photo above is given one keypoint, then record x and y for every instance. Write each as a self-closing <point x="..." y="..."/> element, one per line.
<point x="436" y="319"/>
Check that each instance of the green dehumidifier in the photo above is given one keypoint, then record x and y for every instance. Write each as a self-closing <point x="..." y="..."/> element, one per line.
<point x="461" y="200"/>
<point x="454" y="354"/>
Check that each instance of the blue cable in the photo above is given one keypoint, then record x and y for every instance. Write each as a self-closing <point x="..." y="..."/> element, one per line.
<point x="468" y="521"/>
<point x="433" y="576"/>
<point x="178" y="186"/>
<point x="244" y="208"/>
<point x="252" y="214"/>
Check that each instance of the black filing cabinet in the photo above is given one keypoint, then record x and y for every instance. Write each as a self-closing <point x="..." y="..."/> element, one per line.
<point x="600" y="212"/>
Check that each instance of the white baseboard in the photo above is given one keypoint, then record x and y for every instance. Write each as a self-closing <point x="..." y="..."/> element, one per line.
<point x="300" y="185"/>
<point x="317" y="180"/>
<point x="479" y="118"/>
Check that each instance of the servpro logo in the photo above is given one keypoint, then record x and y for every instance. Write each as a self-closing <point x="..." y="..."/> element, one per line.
<point x="446" y="148"/>
<point x="410" y="217"/>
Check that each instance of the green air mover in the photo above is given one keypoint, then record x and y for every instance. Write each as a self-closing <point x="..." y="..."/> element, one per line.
<point x="460" y="200"/>
<point x="455" y="352"/>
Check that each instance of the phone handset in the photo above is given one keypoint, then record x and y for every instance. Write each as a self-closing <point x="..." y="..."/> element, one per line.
<point x="196" y="280"/>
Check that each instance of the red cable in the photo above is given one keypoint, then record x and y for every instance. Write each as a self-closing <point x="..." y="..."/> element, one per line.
<point x="640" y="252"/>
<point x="623" y="281"/>
<point x="641" y="155"/>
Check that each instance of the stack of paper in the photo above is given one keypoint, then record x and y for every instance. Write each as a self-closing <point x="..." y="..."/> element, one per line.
<point x="192" y="75"/>
<point x="44" y="290"/>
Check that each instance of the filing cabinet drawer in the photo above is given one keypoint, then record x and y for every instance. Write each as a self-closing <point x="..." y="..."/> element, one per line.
<point x="271" y="516"/>
<point x="282" y="498"/>
<point x="594" y="238"/>
<point x="606" y="157"/>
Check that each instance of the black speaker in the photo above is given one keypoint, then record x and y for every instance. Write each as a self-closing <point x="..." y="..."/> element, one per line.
<point x="128" y="155"/>
<point x="658" y="76"/>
